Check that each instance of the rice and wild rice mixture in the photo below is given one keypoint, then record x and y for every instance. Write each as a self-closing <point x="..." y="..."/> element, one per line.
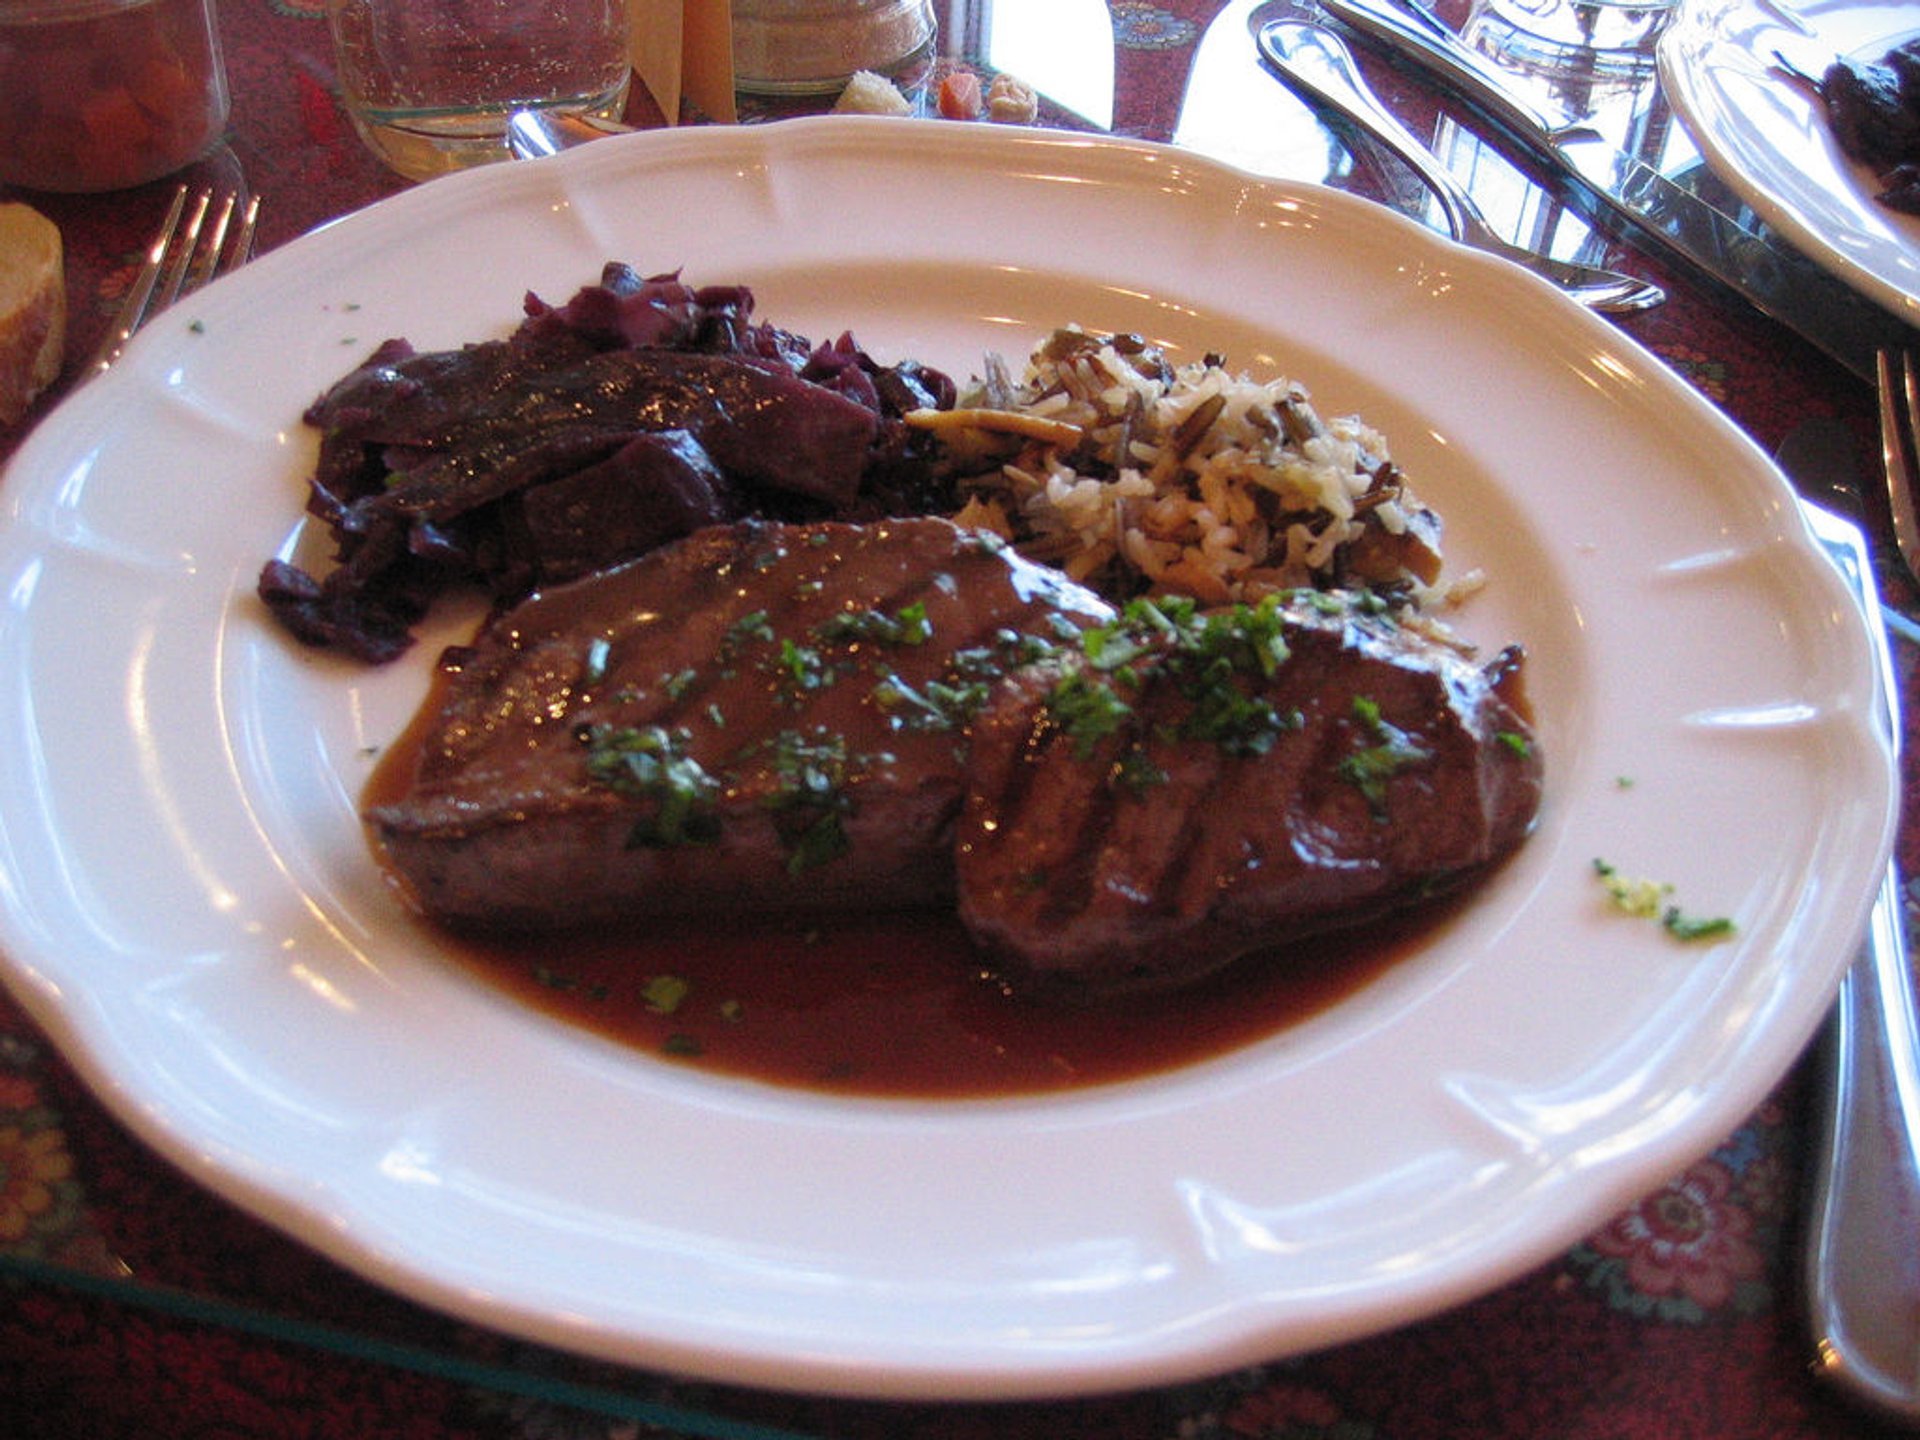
<point x="1135" y="475"/>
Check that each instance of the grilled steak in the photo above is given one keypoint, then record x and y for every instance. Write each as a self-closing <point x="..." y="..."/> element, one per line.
<point x="1196" y="787"/>
<point x="760" y="716"/>
<point x="774" y="718"/>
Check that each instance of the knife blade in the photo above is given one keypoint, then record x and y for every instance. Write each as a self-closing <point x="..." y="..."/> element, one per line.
<point x="1760" y="268"/>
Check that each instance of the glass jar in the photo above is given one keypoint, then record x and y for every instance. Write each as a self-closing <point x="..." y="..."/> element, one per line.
<point x="101" y="94"/>
<point x="800" y="47"/>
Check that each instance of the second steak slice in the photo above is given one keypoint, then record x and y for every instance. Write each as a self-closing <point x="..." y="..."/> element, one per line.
<point x="1195" y="787"/>
<point x="759" y="717"/>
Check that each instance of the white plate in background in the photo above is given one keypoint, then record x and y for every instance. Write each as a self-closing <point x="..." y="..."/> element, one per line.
<point x="1767" y="135"/>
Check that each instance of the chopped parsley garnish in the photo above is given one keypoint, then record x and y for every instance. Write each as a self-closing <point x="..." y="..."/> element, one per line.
<point x="936" y="705"/>
<point x="1086" y="710"/>
<point x="1515" y="742"/>
<point x="1691" y="927"/>
<point x="823" y="841"/>
<point x="663" y="994"/>
<point x="651" y="763"/>
<point x="1369" y="768"/>
<point x="1238" y="723"/>
<point x="1009" y="650"/>
<point x="751" y="626"/>
<point x="1633" y="896"/>
<point x="1108" y="648"/>
<point x="1138" y="773"/>
<point x="1206" y="658"/>
<point x="906" y="626"/>
<point x="799" y="670"/>
<point x="1648" y="900"/>
<point x="811" y="800"/>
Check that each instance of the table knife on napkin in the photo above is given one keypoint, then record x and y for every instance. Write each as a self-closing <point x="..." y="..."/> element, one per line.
<point x="1762" y="269"/>
<point x="1862" y="1277"/>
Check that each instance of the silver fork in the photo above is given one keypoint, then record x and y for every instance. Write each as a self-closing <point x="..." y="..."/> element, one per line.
<point x="191" y="247"/>
<point x="1900" y="451"/>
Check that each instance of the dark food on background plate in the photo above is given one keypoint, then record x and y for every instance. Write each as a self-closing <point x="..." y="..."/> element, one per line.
<point x="1874" y="108"/>
<point x="1123" y="660"/>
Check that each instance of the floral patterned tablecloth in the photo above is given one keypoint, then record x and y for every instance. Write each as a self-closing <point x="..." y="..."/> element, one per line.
<point x="135" y="1304"/>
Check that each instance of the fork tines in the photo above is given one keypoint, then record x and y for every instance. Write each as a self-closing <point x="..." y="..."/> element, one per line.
<point x="185" y="253"/>
<point x="1900" y="451"/>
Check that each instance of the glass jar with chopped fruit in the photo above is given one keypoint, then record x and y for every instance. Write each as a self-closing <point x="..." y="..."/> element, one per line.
<point x="102" y="94"/>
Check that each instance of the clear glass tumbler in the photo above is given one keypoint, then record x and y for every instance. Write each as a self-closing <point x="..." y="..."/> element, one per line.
<point x="430" y="84"/>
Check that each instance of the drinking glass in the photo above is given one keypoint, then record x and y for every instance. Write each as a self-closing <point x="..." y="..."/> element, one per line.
<point x="430" y="84"/>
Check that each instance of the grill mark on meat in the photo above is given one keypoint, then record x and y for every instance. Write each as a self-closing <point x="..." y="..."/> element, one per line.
<point x="1195" y="820"/>
<point x="1068" y="891"/>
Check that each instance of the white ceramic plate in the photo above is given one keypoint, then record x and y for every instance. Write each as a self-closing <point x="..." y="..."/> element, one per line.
<point x="190" y="910"/>
<point x="1768" y="138"/>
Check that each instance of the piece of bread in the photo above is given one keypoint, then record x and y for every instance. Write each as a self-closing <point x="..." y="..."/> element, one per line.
<point x="33" y="308"/>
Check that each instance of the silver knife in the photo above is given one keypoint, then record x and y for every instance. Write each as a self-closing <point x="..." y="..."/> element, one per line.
<point x="1768" y="273"/>
<point x="1861" y="1267"/>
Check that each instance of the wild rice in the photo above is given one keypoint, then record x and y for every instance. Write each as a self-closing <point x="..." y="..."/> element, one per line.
<point x="1134" y="474"/>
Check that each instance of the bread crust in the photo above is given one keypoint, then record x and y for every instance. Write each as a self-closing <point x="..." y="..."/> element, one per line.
<point x="33" y="308"/>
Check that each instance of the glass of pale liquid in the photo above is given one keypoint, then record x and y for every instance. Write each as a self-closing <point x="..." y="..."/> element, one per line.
<point x="430" y="84"/>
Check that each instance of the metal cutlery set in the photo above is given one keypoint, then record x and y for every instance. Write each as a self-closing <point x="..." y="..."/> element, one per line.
<point x="1316" y="62"/>
<point x="1670" y="214"/>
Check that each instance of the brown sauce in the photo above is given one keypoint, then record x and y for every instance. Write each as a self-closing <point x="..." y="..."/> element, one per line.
<point x="898" y="1005"/>
<point x="894" y="1005"/>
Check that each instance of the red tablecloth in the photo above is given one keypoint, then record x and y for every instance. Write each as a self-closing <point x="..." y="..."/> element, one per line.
<point x="141" y="1305"/>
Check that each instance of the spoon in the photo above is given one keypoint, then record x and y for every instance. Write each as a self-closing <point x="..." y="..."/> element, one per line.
<point x="1316" y="62"/>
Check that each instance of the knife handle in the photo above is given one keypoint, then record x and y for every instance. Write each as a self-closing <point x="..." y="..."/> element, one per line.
<point x="1862" y="1278"/>
<point x="1455" y="63"/>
